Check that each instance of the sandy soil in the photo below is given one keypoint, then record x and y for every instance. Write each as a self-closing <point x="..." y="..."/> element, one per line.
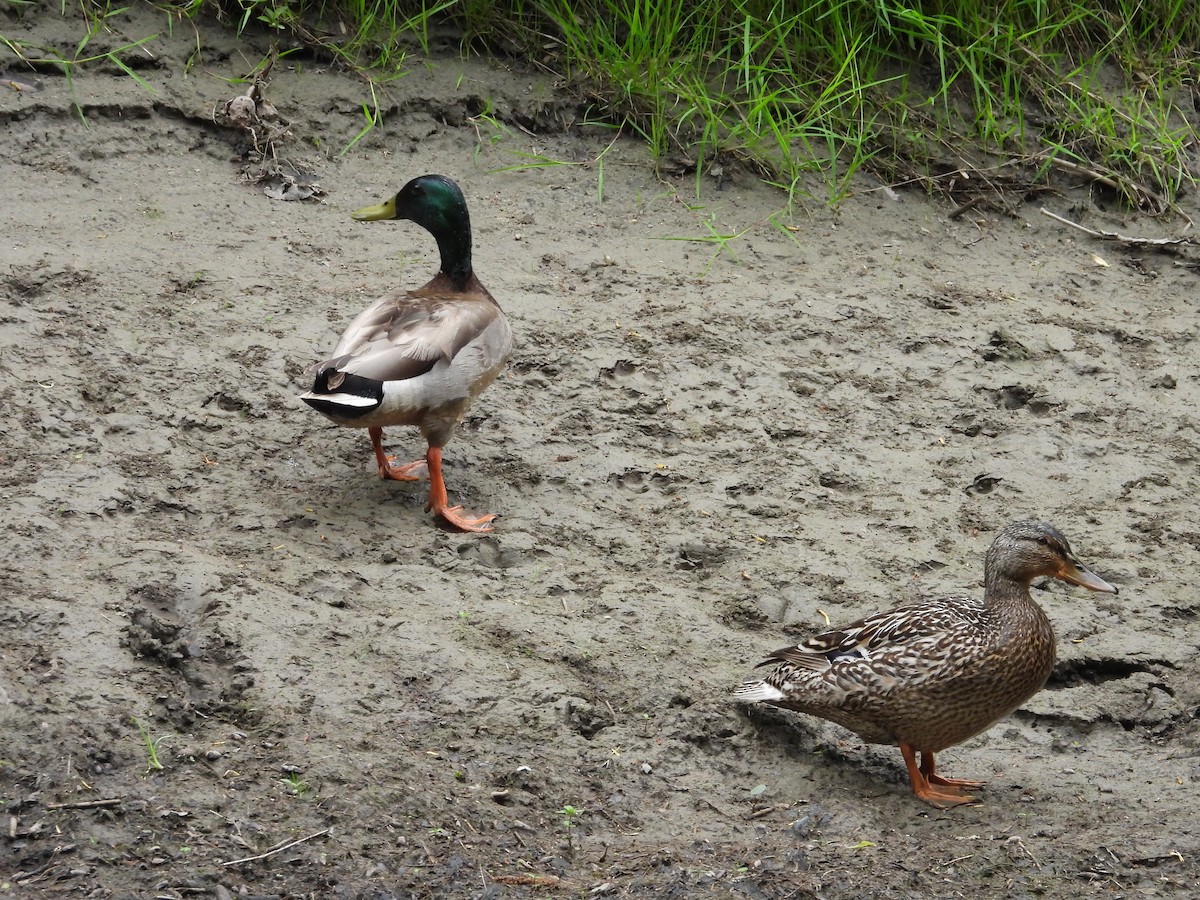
<point x="695" y="454"/>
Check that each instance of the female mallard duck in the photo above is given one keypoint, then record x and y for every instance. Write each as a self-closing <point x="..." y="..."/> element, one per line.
<point x="933" y="674"/>
<point x="419" y="357"/>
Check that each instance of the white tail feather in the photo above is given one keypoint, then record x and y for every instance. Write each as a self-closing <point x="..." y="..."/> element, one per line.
<point x="757" y="692"/>
<point x="352" y="400"/>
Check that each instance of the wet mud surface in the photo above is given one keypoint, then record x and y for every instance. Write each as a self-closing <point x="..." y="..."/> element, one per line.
<point x="697" y="454"/>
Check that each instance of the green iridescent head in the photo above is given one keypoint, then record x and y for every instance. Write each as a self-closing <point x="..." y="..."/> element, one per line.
<point x="436" y="204"/>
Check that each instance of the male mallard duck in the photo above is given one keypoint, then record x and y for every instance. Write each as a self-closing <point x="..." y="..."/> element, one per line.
<point x="419" y="357"/>
<point x="932" y="674"/>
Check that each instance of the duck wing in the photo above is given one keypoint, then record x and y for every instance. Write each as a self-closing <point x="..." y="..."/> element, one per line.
<point x="917" y="630"/>
<point x="863" y="663"/>
<point x="405" y="335"/>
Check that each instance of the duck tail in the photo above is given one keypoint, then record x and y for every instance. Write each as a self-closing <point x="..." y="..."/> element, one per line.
<point x="757" y="692"/>
<point x="342" y="395"/>
<point x="347" y="406"/>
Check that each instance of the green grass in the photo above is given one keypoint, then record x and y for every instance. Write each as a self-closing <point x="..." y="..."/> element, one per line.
<point x="296" y="784"/>
<point x="570" y="820"/>
<point x="95" y="20"/>
<point x="715" y="238"/>
<point x="538" y="160"/>
<point x="151" y="745"/>
<point x="807" y="93"/>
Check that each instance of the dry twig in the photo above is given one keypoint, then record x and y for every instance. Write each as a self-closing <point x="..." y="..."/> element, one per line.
<point x="541" y="881"/>
<point x="280" y="849"/>
<point x="85" y="804"/>
<point x="1114" y="236"/>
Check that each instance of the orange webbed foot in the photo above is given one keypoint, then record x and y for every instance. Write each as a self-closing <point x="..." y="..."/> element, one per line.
<point x="929" y="770"/>
<point x="387" y="466"/>
<point x="933" y="788"/>
<point x="465" y="521"/>
<point x="954" y="782"/>
<point x="945" y="797"/>
<point x="418" y="470"/>
<point x="439" y="502"/>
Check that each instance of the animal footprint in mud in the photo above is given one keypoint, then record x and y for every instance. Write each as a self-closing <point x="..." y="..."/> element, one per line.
<point x="489" y="553"/>
<point x="699" y="556"/>
<point x="1018" y="396"/>
<point x="1002" y="345"/>
<point x="639" y="481"/>
<point x="584" y="718"/>
<point x="622" y="368"/>
<point x="631" y="480"/>
<point x="179" y="629"/>
<point x="839" y="482"/>
<point x="155" y="631"/>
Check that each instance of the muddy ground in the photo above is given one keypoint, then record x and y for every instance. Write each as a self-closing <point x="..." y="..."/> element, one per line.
<point x="696" y="454"/>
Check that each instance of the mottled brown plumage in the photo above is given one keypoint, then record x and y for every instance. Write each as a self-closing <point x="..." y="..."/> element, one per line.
<point x="932" y="674"/>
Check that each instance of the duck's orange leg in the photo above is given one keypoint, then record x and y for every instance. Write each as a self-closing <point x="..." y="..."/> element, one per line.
<point x="941" y="792"/>
<point x="413" y="471"/>
<point x="927" y="769"/>
<point x="439" y="502"/>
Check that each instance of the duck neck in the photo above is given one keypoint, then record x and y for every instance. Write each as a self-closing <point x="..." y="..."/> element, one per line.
<point x="454" y="244"/>
<point x="1000" y="590"/>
